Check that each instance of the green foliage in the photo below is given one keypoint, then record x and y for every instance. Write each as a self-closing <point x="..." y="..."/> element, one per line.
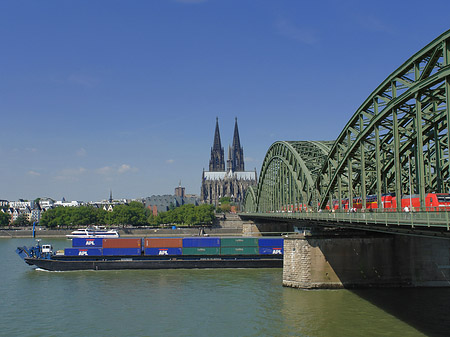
<point x="134" y="214"/>
<point x="73" y="216"/>
<point x="4" y="219"/>
<point x="21" y="221"/>
<point x="187" y="215"/>
<point x="225" y="200"/>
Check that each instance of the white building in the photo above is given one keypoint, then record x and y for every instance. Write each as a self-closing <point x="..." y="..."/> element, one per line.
<point x="68" y="203"/>
<point x="46" y="203"/>
<point x="22" y="204"/>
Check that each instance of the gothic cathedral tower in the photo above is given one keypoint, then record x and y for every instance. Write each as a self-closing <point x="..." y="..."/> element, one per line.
<point x="217" y="161"/>
<point x="236" y="152"/>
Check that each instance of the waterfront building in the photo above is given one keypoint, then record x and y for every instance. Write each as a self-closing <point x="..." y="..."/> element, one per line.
<point x="46" y="203"/>
<point x="162" y="203"/>
<point x="21" y="204"/>
<point x="65" y="203"/>
<point x="232" y="182"/>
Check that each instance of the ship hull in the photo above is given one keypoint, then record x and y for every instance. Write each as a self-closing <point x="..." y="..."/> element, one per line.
<point x="185" y="262"/>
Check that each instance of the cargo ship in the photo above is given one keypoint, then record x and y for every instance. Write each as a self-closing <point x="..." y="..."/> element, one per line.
<point x="158" y="253"/>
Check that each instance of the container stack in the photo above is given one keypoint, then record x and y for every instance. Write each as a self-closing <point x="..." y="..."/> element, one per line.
<point x="239" y="246"/>
<point x="269" y="246"/>
<point x="163" y="246"/>
<point x="201" y="246"/>
<point x="121" y="247"/>
<point x="85" y="247"/>
<point x="175" y="246"/>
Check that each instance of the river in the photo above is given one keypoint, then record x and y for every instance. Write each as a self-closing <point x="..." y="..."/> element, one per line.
<point x="237" y="302"/>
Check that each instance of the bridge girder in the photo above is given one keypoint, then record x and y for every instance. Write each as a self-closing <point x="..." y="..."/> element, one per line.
<point x="396" y="142"/>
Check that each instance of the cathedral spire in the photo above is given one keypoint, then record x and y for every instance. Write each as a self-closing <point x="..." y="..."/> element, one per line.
<point x="237" y="152"/>
<point x="236" y="140"/>
<point x="217" y="162"/>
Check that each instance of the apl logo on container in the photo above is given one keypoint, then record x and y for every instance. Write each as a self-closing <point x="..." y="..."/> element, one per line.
<point x="277" y="251"/>
<point x="83" y="252"/>
<point x="90" y="242"/>
<point x="163" y="252"/>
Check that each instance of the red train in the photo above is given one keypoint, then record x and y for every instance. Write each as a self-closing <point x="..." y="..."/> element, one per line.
<point x="433" y="202"/>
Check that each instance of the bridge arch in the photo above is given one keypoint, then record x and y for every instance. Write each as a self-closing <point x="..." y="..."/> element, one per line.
<point x="288" y="175"/>
<point x="396" y="142"/>
<point x="398" y="139"/>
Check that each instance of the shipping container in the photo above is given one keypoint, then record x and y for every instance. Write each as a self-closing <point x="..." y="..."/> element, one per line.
<point x="201" y="242"/>
<point x="163" y="242"/>
<point x="87" y="242"/>
<point x="270" y="242"/>
<point x="201" y="251"/>
<point x="239" y="250"/>
<point x="122" y="243"/>
<point x="83" y="251"/>
<point x="270" y="250"/>
<point x="121" y="251"/>
<point x="239" y="242"/>
<point x="163" y="251"/>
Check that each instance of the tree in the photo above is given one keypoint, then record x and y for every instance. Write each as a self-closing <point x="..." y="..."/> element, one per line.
<point x="134" y="214"/>
<point x="21" y="221"/>
<point x="188" y="215"/>
<point x="5" y="218"/>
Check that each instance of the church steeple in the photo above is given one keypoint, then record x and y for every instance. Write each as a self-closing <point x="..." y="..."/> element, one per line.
<point x="237" y="152"/>
<point x="217" y="161"/>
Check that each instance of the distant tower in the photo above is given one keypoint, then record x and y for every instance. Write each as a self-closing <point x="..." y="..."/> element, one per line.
<point x="236" y="152"/>
<point x="179" y="191"/>
<point x="217" y="162"/>
<point x="110" y="196"/>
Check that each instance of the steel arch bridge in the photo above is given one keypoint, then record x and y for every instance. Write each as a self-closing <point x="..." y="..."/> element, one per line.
<point x="396" y="142"/>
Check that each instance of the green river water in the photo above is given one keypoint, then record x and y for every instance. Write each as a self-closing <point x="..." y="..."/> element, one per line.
<point x="237" y="302"/>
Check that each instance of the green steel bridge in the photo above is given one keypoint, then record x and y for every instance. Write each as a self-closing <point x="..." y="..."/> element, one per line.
<point x="397" y="142"/>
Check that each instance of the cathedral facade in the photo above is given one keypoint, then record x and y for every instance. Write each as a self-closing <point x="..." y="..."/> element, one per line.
<point x="231" y="181"/>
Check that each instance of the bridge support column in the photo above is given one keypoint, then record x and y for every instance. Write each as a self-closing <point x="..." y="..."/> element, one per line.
<point x="363" y="261"/>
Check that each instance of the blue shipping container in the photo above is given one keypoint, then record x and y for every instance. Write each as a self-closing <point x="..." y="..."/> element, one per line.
<point x="85" y="242"/>
<point x="201" y="242"/>
<point x="271" y="242"/>
<point x="270" y="250"/>
<point x="163" y="251"/>
<point x="121" y="251"/>
<point x="83" y="251"/>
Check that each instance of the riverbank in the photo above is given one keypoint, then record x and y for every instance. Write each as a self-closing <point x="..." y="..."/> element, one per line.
<point x="126" y="232"/>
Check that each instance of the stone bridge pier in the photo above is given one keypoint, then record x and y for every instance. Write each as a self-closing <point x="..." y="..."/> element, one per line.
<point x="351" y="260"/>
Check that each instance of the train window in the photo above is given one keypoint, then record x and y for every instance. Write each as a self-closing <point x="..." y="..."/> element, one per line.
<point x="443" y="198"/>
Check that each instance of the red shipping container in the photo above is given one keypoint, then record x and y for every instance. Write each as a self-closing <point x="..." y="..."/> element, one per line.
<point x="164" y="243"/>
<point x="122" y="243"/>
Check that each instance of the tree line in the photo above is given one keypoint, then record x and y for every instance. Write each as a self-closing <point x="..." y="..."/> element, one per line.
<point x="134" y="214"/>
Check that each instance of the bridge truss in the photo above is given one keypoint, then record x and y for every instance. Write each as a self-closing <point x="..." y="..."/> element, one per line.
<point x="396" y="142"/>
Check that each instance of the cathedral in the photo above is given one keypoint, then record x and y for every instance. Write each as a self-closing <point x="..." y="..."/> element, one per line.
<point x="231" y="182"/>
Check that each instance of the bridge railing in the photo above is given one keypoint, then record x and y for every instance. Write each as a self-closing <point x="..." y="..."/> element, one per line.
<point x="407" y="219"/>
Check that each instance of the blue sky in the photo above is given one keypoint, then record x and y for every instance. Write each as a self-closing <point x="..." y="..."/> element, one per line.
<point x="123" y="95"/>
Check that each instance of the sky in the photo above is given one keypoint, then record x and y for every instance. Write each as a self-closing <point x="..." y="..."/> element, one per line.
<point x="123" y="95"/>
